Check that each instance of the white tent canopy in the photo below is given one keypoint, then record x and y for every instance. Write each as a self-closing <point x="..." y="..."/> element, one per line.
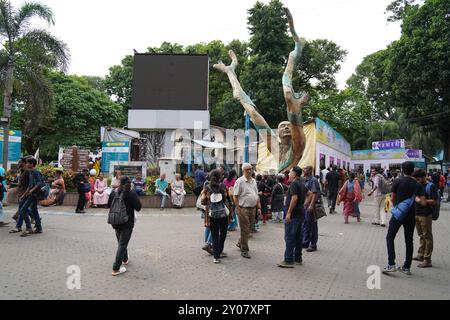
<point x="116" y="134"/>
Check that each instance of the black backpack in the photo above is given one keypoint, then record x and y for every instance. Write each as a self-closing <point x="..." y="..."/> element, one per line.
<point x="41" y="193"/>
<point x="118" y="215"/>
<point x="434" y="209"/>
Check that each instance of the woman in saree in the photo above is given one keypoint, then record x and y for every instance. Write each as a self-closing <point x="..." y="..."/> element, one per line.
<point x="350" y="194"/>
<point x="178" y="192"/>
<point x="57" y="191"/>
<point x="100" y="196"/>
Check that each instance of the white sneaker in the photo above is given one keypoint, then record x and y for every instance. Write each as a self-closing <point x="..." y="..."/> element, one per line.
<point x="216" y="261"/>
<point x="121" y="271"/>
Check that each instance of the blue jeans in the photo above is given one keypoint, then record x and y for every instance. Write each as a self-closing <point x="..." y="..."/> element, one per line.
<point x="357" y="211"/>
<point x="163" y="197"/>
<point x="234" y="223"/>
<point x="294" y="240"/>
<point x="28" y="208"/>
<point x="208" y="236"/>
<point x="310" y="231"/>
<point x="140" y="193"/>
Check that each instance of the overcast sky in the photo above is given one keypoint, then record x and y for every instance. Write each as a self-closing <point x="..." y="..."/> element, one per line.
<point x="101" y="32"/>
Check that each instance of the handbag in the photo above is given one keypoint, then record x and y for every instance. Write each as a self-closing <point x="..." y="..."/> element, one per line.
<point x="319" y="210"/>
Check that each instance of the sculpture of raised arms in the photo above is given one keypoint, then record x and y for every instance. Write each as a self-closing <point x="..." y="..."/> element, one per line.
<point x="291" y="137"/>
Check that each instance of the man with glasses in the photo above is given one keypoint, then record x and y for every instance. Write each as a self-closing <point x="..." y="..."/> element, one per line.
<point x="246" y="196"/>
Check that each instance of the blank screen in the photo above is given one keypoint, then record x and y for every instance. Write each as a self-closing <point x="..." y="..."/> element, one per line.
<point x="170" y="82"/>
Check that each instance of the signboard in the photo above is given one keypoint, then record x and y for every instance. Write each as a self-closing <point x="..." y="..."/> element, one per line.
<point x="330" y="137"/>
<point x="406" y="154"/>
<point x="14" y="145"/>
<point x="388" y="144"/>
<point x="129" y="168"/>
<point x="114" y="151"/>
<point x="75" y="159"/>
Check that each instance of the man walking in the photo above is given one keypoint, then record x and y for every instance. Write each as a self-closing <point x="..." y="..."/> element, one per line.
<point x="200" y="179"/>
<point x="246" y="196"/>
<point x="404" y="188"/>
<point x="310" y="225"/>
<point x="29" y="198"/>
<point x="323" y="176"/>
<point x="3" y="192"/>
<point x="424" y="219"/>
<point x="332" y="186"/>
<point x="295" y="204"/>
<point x="380" y="198"/>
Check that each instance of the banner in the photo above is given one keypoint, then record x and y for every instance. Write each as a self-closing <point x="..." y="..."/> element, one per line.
<point x="330" y="137"/>
<point x="14" y="145"/>
<point x="388" y="144"/>
<point x="114" y="151"/>
<point x="387" y="154"/>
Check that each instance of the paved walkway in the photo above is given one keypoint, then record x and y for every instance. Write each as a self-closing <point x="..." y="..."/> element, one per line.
<point x="167" y="262"/>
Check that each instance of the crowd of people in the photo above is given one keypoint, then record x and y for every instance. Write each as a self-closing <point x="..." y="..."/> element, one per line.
<point x="294" y="197"/>
<point x="227" y="202"/>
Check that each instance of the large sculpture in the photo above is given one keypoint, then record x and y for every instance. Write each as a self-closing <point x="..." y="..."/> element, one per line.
<point x="291" y="138"/>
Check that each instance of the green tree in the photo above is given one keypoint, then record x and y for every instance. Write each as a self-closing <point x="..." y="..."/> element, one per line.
<point x="420" y="69"/>
<point x="96" y="82"/>
<point x="270" y="45"/>
<point x="29" y="52"/>
<point x="348" y="111"/>
<point x="371" y="79"/>
<point x="119" y="83"/>
<point x="85" y="110"/>
<point x="398" y="9"/>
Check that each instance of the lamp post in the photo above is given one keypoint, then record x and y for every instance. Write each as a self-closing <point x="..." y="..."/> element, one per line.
<point x="247" y="138"/>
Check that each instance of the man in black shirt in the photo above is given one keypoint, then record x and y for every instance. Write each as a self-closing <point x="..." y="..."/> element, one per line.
<point x="310" y="225"/>
<point x="295" y="204"/>
<point x="402" y="189"/>
<point x="332" y="186"/>
<point x="424" y="219"/>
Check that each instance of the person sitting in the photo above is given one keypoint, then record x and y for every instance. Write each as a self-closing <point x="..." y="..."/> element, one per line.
<point x="139" y="185"/>
<point x="57" y="191"/>
<point x="100" y="195"/>
<point x="178" y="192"/>
<point x="115" y="182"/>
<point x="161" y="190"/>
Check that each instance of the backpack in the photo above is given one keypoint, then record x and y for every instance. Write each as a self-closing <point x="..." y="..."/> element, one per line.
<point x="401" y="210"/>
<point x="42" y="192"/>
<point x="118" y="212"/>
<point x="384" y="185"/>
<point x="434" y="209"/>
<point x="217" y="209"/>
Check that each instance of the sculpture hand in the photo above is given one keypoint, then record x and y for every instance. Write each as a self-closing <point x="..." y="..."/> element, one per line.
<point x="234" y="63"/>
<point x="291" y="24"/>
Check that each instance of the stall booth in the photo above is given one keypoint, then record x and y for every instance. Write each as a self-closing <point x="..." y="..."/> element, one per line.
<point x="390" y="159"/>
<point x="325" y="147"/>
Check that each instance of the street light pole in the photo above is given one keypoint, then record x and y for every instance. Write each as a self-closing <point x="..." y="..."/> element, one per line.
<point x="247" y="138"/>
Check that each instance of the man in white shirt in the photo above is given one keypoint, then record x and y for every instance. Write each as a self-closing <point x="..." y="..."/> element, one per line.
<point x="380" y="199"/>
<point x="246" y="196"/>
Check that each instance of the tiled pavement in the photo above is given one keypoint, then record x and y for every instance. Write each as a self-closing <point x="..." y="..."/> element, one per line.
<point x="167" y="262"/>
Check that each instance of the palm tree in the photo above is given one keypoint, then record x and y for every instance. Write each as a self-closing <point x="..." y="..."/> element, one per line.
<point x="27" y="53"/>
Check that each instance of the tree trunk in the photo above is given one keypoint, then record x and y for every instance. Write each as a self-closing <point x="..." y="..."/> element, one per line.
<point x="446" y="143"/>
<point x="7" y="100"/>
